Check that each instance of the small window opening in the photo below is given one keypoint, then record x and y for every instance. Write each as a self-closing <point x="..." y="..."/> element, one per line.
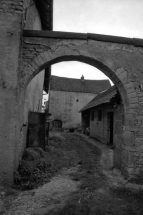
<point x="92" y="116"/>
<point x="100" y="115"/>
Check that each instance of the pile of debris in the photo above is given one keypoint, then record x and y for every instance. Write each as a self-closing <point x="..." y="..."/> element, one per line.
<point x="37" y="167"/>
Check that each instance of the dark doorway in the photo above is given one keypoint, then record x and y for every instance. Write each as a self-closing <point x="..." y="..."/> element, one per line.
<point x="110" y="128"/>
<point x="57" y="125"/>
<point x="36" y="129"/>
<point x="85" y="119"/>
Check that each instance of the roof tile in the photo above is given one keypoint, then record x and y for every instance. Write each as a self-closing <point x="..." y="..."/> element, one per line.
<point x="103" y="97"/>
<point x="78" y="85"/>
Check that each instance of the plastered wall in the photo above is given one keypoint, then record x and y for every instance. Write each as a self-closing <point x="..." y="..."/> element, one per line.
<point x="65" y="106"/>
<point x="14" y="15"/>
<point x="98" y="129"/>
<point x="34" y="90"/>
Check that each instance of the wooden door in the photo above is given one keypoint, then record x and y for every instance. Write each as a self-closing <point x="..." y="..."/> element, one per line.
<point x="36" y="129"/>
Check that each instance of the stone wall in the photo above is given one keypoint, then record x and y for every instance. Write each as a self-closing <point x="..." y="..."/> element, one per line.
<point x="65" y="106"/>
<point x="12" y="6"/>
<point x="118" y="136"/>
<point x="14" y="15"/>
<point x="121" y="62"/>
<point x="11" y="14"/>
<point x="34" y="90"/>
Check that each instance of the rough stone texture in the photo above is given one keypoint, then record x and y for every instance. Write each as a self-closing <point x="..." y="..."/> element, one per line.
<point x="12" y="6"/>
<point x="122" y="63"/>
<point x="32" y="98"/>
<point x="119" y="136"/>
<point x="107" y="159"/>
<point x="12" y="127"/>
<point x="10" y="41"/>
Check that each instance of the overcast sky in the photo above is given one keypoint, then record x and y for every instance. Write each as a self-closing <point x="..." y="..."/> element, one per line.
<point x="110" y="17"/>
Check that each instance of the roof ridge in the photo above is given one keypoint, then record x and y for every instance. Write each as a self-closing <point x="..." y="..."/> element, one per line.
<point x="78" y="85"/>
<point x="80" y="78"/>
<point x="101" y="98"/>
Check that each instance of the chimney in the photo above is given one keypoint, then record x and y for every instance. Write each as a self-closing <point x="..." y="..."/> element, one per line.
<point x="82" y="78"/>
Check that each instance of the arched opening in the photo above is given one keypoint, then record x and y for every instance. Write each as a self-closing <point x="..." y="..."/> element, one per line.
<point x="114" y="58"/>
<point x="109" y="68"/>
<point x="88" y="60"/>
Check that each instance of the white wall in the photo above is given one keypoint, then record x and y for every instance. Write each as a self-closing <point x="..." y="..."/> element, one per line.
<point x="66" y="106"/>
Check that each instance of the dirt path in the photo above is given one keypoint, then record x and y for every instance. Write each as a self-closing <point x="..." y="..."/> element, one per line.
<point x="79" y="187"/>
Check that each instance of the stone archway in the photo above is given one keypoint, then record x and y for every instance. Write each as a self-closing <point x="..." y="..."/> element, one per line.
<point x="117" y="61"/>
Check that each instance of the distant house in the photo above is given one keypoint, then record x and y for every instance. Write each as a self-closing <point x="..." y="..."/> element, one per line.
<point x="68" y="96"/>
<point x="103" y="116"/>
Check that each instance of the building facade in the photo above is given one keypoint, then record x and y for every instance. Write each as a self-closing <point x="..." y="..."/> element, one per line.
<point x="68" y="96"/>
<point x="104" y="115"/>
<point x="25" y="53"/>
<point x="15" y="17"/>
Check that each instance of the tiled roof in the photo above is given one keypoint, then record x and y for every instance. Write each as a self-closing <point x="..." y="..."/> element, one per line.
<point x="103" y="97"/>
<point x="78" y="85"/>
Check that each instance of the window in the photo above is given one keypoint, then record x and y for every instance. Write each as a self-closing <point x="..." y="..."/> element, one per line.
<point x="92" y="115"/>
<point x="100" y="115"/>
<point x="57" y="123"/>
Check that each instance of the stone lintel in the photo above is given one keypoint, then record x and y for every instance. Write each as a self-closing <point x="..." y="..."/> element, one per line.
<point x="83" y="36"/>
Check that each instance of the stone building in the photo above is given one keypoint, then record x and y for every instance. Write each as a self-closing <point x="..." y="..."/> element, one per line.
<point x="103" y="115"/>
<point x="68" y="96"/>
<point x="25" y="52"/>
<point x="15" y="16"/>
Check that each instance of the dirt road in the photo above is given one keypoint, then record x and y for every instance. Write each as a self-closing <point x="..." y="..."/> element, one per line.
<point x="77" y="187"/>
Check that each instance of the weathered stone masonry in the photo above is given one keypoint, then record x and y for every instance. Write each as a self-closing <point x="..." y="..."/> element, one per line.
<point x="11" y="19"/>
<point x="23" y="56"/>
<point x="122" y="63"/>
<point x="13" y="15"/>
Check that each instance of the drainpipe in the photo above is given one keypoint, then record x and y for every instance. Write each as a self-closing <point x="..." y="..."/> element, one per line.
<point x="47" y="83"/>
<point x="103" y="121"/>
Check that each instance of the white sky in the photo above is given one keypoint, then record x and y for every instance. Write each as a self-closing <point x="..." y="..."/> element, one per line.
<point x="110" y="17"/>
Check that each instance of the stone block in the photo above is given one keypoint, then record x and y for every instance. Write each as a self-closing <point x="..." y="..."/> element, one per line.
<point x="134" y="100"/>
<point x="120" y="71"/>
<point x="131" y="172"/>
<point x="129" y="138"/>
<point x="124" y="157"/>
<point x="34" y="65"/>
<point x="107" y="159"/>
<point x="132" y="110"/>
<point x="132" y="94"/>
<point x="140" y="99"/>
<point x="122" y="75"/>
<point x="130" y="90"/>
<point x="129" y="85"/>
<point x="117" y="157"/>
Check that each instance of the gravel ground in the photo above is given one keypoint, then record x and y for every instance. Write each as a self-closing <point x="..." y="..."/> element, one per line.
<point x="76" y="185"/>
